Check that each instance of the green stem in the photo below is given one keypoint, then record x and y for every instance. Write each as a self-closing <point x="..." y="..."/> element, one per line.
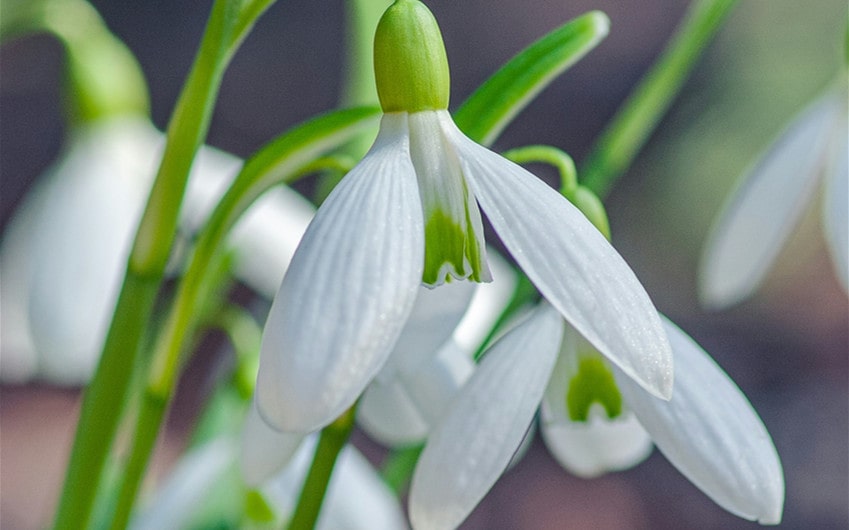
<point x="186" y="131"/>
<point x="152" y="411"/>
<point x="637" y="118"/>
<point x="330" y="443"/>
<point x="103" y="400"/>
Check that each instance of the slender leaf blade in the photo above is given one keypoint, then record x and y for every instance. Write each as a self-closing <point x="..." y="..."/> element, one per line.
<point x="499" y="99"/>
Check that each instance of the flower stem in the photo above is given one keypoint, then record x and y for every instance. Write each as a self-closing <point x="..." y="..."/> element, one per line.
<point x="330" y="444"/>
<point x="103" y="401"/>
<point x="552" y="156"/>
<point x="637" y="118"/>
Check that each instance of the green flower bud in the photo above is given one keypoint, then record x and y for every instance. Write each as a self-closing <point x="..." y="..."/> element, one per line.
<point x="410" y="65"/>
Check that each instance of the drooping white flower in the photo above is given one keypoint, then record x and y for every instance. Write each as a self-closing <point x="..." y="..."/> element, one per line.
<point x="408" y="213"/>
<point x="708" y="430"/>
<point x="63" y="255"/>
<point x="64" y="252"/>
<point x="771" y="199"/>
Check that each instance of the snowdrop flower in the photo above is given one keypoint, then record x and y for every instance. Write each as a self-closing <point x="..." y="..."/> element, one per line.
<point x="64" y="253"/>
<point x="708" y="430"/>
<point x="407" y="214"/>
<point x="749" y="234"/>
<point x="357" y="499"/>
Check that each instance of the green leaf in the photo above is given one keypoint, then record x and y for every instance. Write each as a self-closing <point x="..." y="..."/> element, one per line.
<point x="494" y="105"/>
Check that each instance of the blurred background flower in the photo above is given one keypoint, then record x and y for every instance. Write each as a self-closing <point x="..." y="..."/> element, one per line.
<point x="786" y="347"/>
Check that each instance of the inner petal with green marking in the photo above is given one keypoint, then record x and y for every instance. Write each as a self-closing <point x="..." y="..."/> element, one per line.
<point x="454" y="243"/>
<point x="593" y="383"/>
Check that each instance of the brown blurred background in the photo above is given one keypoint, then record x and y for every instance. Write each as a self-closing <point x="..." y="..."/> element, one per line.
<point x="787" y="348"/>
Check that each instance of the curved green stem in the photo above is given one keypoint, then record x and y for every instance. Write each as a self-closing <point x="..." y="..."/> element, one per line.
<point x="104" y="77"/>
<point x="549" y="155"/>
<point x="330" y="444"/>
<point x="637" y="118"/>
<point x="581" y="196"/>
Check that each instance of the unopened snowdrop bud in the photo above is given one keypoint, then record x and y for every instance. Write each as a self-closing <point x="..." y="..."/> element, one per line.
<point x="410" y="65"/>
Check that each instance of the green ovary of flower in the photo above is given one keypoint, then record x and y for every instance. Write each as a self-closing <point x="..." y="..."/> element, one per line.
<point x="593" y="383"/>
<point x="450" y="250"/>
<point x="410" y="64"/>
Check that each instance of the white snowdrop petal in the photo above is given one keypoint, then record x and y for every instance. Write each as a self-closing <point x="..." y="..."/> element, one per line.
<point x="710" y="432"/>
<point x="836" y="207"/>
<point x="598" y="446"/>
<point x="761" y="214"/>
<point x="488" y="302"/>
<point x="264" y="451"/>
<point x="388" y="414"/>
<point x="433" y="319"/>
<point x="572" y="265"/>
<point x="435" y="384"/>
<point x="19" y="361"/>
<point x="83" y="238"/>
<point x="348" y="291"/>
<point x="400" y="412"/>
<point x="266" y="237"/>
<point x="476" y="439"/>
<point x="453" y="228"/>
<point x="358" y="499"/>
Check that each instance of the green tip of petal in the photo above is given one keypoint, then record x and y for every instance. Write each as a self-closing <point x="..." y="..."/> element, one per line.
<point x="593" y="383"/>
<point x="451" y="251"/>
<point x="257" y="508"/>
<point x="410" y="64"/>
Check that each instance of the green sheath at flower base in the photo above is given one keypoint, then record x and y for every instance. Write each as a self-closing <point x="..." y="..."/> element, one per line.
<point x="410" y="65"/>
<point x="593" y="383"/>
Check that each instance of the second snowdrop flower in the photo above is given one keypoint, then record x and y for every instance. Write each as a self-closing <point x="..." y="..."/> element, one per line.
<point x="756" y="223"/>
<point x="408" y="214"/>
